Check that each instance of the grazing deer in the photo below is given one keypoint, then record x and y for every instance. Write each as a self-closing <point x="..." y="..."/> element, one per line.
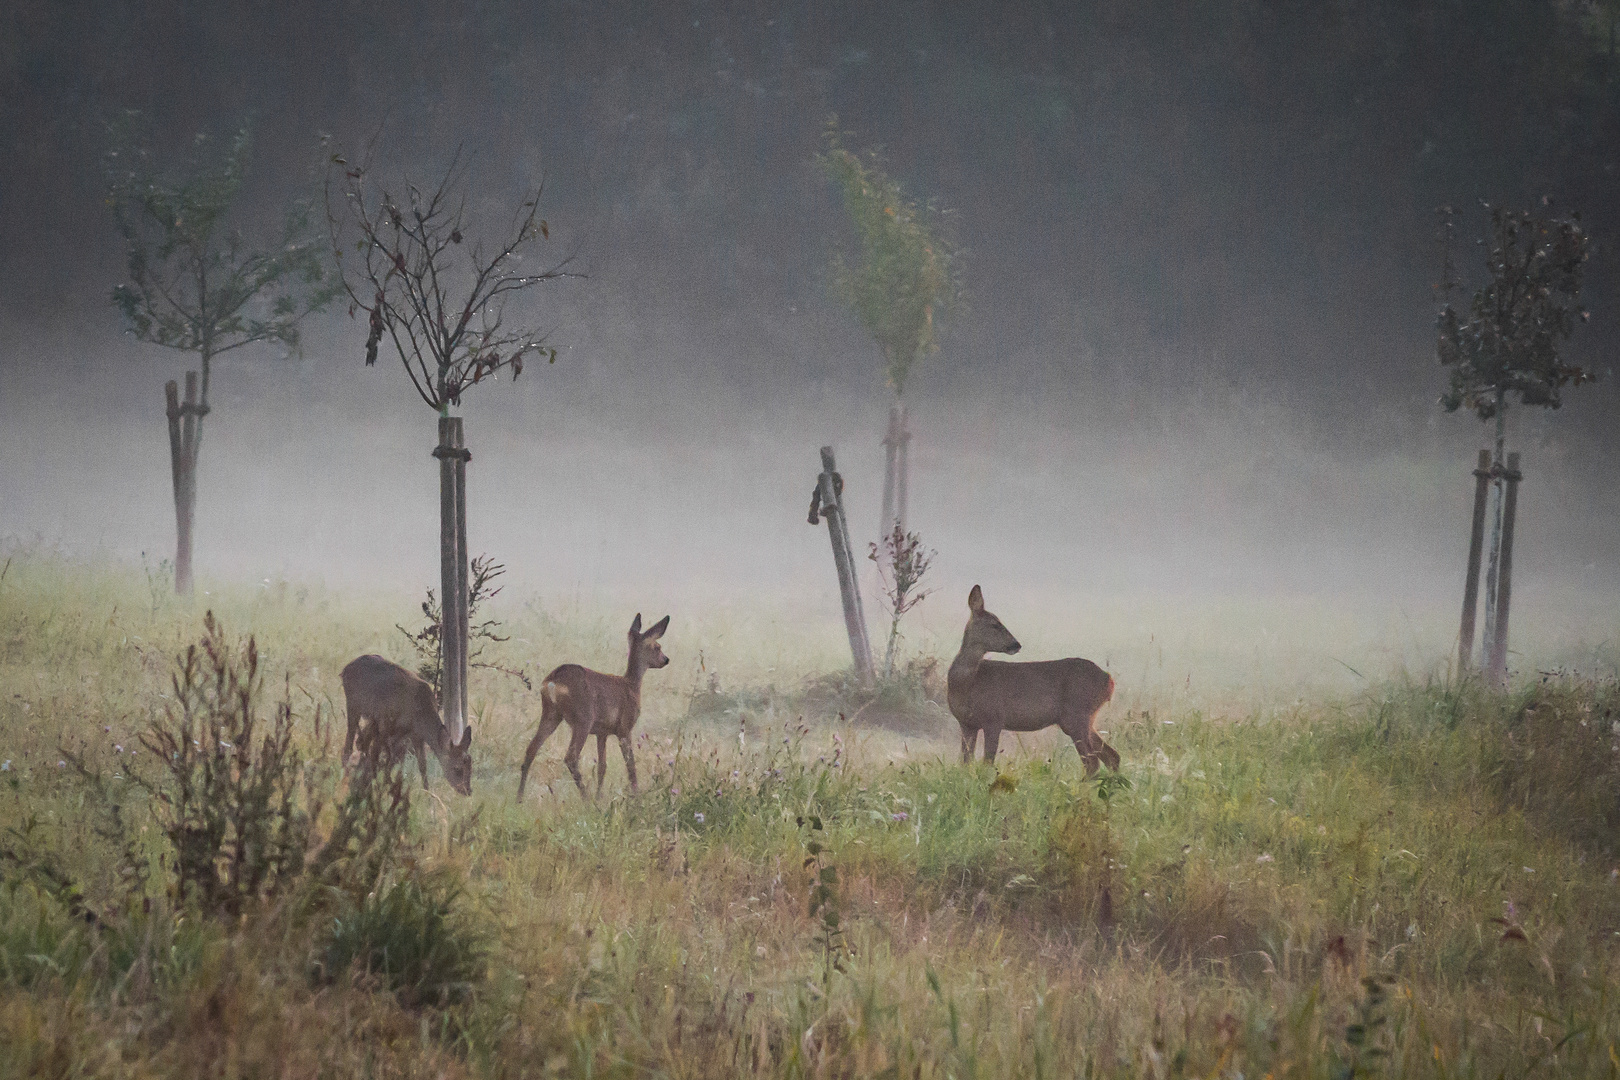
<point x="993" y="696"/>
<point x="596" y="704"/>
<point x="404" y="714"/>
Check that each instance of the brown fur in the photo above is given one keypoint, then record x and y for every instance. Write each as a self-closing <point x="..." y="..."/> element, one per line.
<point x="592" y="703"/>
<point x="994" y="696"/>
<point x="404" y="713"/>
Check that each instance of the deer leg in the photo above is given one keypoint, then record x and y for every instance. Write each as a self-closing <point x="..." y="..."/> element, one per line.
<point x="1109" y="755"/>
<point x="601" y="761"/>
<point x="992" y="737"/>
<point x="354" y="729"/>
<point x="421" y="760"/>
<point x="576" y="745"/>
<point x="970" y="735"/>
<point x="549" y="719"/>
<point x="1088" y="755"/>
<point x="629" y="760"/>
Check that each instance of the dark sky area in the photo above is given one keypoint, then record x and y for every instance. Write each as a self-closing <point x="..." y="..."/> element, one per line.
<point x="1199" y="239"/>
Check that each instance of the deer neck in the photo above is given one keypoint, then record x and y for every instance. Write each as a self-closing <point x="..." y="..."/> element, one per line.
<point x="966" y="665"/>
<point x="633" y="673"/>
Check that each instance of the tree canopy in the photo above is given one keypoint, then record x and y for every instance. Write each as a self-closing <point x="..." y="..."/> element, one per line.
<point x="905" y="277"/>
<point x="1507" y="342"/>
<point x="195" y="281"/>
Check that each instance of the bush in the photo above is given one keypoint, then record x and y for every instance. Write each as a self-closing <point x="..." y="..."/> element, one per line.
<point x="411" y="938"/>
<point x="1557" y="758"/>
<point x="235" y="797"/>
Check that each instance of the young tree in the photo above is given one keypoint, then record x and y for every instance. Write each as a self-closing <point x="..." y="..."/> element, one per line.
<point x="1507" y="343"/>
<point x="903" y="281"/>
<point x="410" y="259"/>
<point x="196" y="283"/>
<point x="902" y="563"/>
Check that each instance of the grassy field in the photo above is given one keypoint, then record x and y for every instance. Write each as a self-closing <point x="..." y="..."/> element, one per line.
<point x="1408" y="878"/>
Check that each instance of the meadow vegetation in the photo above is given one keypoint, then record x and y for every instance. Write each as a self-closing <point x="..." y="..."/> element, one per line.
<point x="1420" y="879"/>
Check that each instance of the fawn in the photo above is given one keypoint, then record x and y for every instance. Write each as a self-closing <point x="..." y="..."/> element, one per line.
<point x="994" y="696"/>
<point x="404" y="714"/>
<point x="596" y="704"/>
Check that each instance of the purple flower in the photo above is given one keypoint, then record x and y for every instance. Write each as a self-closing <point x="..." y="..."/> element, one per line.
<point x="901" y="816"/>
<point x="698" y="817"/>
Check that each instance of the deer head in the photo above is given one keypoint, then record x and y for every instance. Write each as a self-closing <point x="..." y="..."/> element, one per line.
<point x="457" y="762"/>
<point x="645" y="653"/>
<point x="985" y="633"/>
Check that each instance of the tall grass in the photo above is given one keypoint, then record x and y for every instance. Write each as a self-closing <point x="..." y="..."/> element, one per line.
<point x="1418" y="880"/>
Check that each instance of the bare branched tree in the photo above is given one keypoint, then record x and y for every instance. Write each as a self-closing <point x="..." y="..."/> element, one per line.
<point x="429" y="282"/>
<point x="439" y="297"/>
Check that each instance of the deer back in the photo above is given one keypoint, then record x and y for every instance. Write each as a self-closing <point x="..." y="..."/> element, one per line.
<point x="602" y="702"/>
<point x="1031" y="696"/>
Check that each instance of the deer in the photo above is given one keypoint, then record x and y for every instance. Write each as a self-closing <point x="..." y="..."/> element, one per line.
<point x="404" y="715"/>
<point x="593" y="703"/>
<point x="995" y="696"/>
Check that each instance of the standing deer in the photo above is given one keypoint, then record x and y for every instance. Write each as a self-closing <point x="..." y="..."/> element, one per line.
<point x="994" y="696"/>
<point x="404" y="714"/>
<point x="596" y="704"/>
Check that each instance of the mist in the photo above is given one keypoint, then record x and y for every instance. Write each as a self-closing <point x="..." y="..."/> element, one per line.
<point x="1190" y="396"/>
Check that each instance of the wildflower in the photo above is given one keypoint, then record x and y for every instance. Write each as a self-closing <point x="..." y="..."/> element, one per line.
<point x="674" y="792"/>
<point x="1265" y="858"/>
<point x="118" y="748"/>
<point x="901" y="816"/>
<point x="698" y="817"/>
<point x="61" y="764"/>
<point x="6" y="766"/>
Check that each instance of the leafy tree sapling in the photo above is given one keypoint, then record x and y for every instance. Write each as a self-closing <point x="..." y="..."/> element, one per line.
<point x="1508" y="339"/>
<point x="195" y="282"/>
<point x="904" y="280"/>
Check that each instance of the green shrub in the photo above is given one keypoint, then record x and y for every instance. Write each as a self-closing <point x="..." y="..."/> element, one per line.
<point x="1556" y="757"/>
<point x="412" y="938"/>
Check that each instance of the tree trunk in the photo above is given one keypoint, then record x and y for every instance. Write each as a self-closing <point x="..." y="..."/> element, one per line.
<point x="891" y="452"/>
<point x="1504" y="585"/>
<point x="1496" y="529"/>
<point x="1476" y="540"/>
<point x="902" y="472"/>
<point x="184" y="422"/>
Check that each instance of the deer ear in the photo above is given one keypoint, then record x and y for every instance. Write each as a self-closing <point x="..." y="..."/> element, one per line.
<point x="976" y="600"/>
<point x="635" y="627"/>
<point x="466" y="739"/>
<point x="658" y="628"/>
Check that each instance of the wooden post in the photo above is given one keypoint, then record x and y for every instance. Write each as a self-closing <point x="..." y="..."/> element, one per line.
<point x="832" y="511"/>
<point x="462" y="599"/>
<point x="451" y="625"/>
<point x="1504" y="575"/>
<point x="891" y="448"/>
<point x="1476" y="542"/>
<point x="177" y="467"/>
